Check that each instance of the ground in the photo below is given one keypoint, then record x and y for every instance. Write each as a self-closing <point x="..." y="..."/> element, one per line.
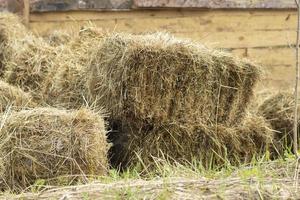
<point x="263" y="179"/>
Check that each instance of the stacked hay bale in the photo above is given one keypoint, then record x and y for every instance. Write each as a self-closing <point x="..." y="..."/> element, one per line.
<point x="278" y="109"/>
<point x="47" y="143"/>
<point x="65" y="85"/>
<point x="14" y="97"/>
<point x="58" y="38"/>
<point x="159" y="78"/>
<point x="25" y="57"/>
<point x="174" y="99"/>
<point x="10" y="30"/>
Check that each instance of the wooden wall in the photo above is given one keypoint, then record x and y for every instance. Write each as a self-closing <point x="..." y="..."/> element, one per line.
<point x="265" y="36"/>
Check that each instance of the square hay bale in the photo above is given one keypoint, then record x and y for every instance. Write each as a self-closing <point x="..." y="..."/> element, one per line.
<point x="11" y="96"/>
<point x="47" y="143"/>
<point x="278" y="110"/>
<point x="25" y="57"/>
<point x="11" y="29"/>
<point x="159" y="79"/>
<point x="215" y="145"/>
<point x="58" y="38"/>
<point x="65" y="85"/>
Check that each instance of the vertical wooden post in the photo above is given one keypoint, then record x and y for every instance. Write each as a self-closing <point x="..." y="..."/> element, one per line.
<point x="295" y="135"/>
<point x="26" y="12"/>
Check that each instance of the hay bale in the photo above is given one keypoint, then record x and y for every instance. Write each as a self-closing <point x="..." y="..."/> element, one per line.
<point x="26" y="58"/>
<point x="65" y="85"/>
<point x="11" y="96"/>
<point x="46" y="143"/>
<point x="278" y="109"/>
<point x="11" y="29"/>
<point x="58" y="38"/>
<point x="158" y="78"/>
<point x="29" y="63"/>
<point x="213" y="146"/>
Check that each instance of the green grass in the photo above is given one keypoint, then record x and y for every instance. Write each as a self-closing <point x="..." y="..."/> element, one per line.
<point x="163" y="182"/>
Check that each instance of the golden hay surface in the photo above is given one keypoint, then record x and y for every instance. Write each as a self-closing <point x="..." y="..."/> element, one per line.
<point x="58" y="37"/>
<point x="11" y="29"/>
<point x="278" y="109"/>
<point x="47" y="143"/>
<point x="65" y="85"/>
<point x="11" y="96"/>
<point x="211" y="145"/>
<point x="25" y="57"/>
<point x="158" y="78"/>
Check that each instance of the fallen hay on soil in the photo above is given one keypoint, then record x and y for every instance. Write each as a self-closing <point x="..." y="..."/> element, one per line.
<point x="266" y="180"/>
<point x="47" y="143"/>
<point x="26" y="58"/>
<point x="11" y="96"/>
<point x="158" y="78"/>
<point x="210" y="145"/>
<point x="65" y="85"/>
<point x="278" y="109"/>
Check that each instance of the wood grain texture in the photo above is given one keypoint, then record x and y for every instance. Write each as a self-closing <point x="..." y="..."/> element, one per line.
<point x="214" y="3"/>
<point x="221" y="29"/>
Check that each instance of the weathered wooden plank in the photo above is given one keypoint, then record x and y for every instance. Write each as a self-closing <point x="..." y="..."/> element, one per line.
<point x="237" y="39"/>
<point x="268" y="56"/>
<point x="66" y="5"/>
<point x="214" y="4"/>
<point x="281" y="15"/>
<point x="174" y="21"/>
<point x="205" y="23"/>
<point x="244" y="39"/>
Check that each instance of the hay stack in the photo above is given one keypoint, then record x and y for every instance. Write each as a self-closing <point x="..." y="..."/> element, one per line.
<point x="58" y="38"/>
<point x="278" y="109"/>
<point x="25" y="58"/>
<point x="11" y="96"/>
<point x="158" y="78"/>
<point x="169" y="97"/>
<point x="11" y="29"/>
<point x="65" y="85"/>
<point x="209" y="145"/>
<point x="45" y="143"/>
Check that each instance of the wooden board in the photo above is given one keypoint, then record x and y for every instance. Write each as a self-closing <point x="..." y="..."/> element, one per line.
<point x="67" y="5"/>
<point x="230" y="29"/>
<point x="214" y="3"/>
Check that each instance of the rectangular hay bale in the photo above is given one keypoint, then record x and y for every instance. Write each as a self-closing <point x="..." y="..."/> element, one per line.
<point x="159" y="78"/>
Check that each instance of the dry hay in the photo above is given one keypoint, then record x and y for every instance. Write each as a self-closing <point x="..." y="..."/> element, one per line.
<point x="26" y="58"/>
<point x="11" y="96"/>
<point x="47" y="143"/>
<point x="58" y="38"/>
<point x="65" y="85"/>
<point x="278" y="109"/>
<point x="158" y="78"/>
<point x="210" y="145"/>
<point x="11" y="29"/>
